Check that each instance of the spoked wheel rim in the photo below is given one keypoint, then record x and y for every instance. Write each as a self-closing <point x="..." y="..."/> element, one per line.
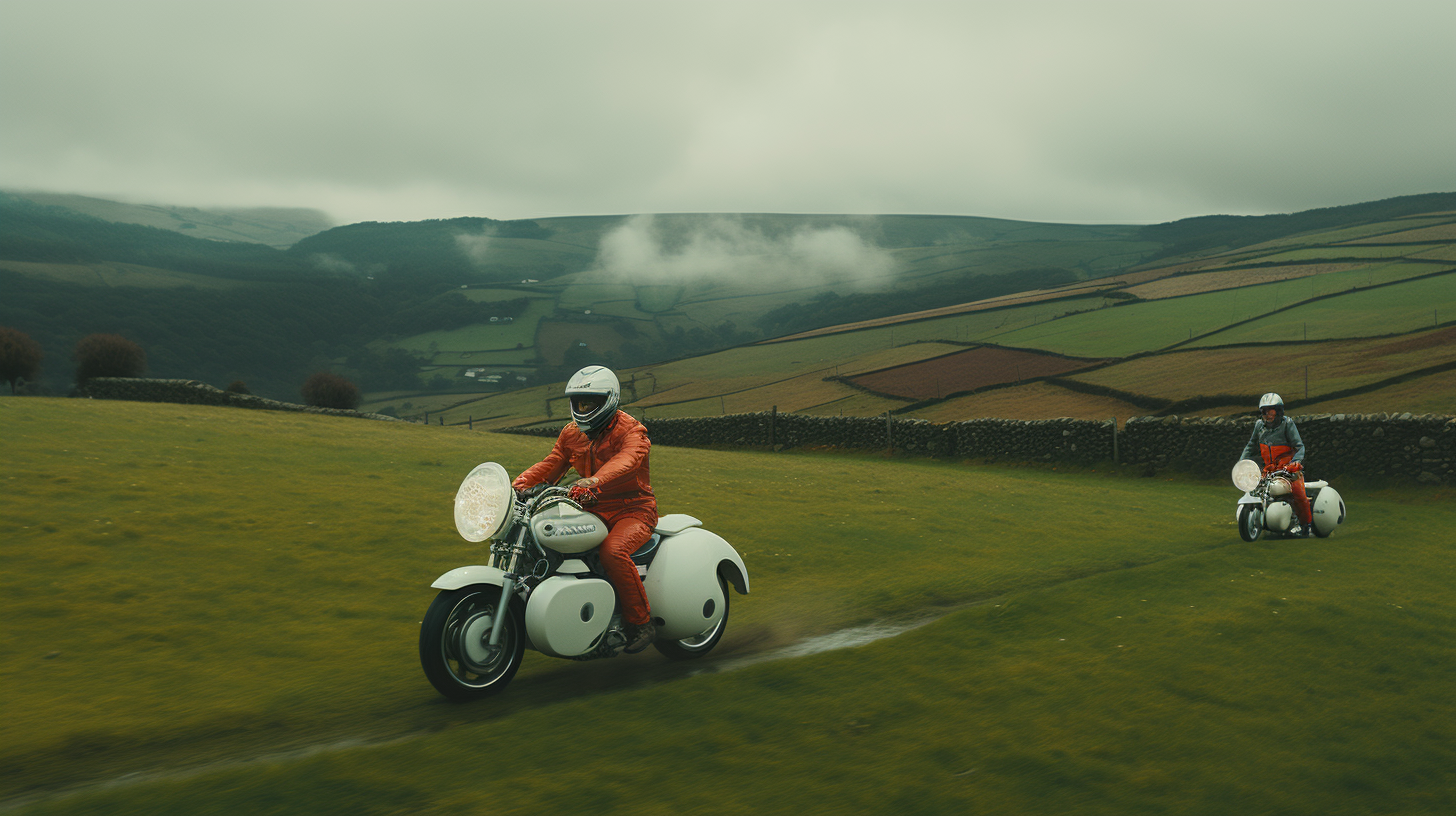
<point x="1251" y="523"/>
<point x="464" y="643"/>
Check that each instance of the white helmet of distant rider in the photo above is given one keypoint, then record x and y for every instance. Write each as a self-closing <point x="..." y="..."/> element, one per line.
<point x="1271" y="400"/>
<point x="594" y="393"/>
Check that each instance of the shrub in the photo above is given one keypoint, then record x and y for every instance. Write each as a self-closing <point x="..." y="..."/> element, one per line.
<point x="20" y="356"/>
<point x="238" y="387"/>
<point x="108" y="355"/>
<point x="326" y="390"/>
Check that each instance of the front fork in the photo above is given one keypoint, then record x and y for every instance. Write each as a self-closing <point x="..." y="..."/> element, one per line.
<point x="508" y="585"/>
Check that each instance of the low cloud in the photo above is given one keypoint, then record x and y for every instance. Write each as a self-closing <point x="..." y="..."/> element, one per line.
<point x="475" y="246"/>
<point x="646" y="250"/>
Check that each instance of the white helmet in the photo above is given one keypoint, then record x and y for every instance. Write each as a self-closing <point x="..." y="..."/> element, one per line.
<point x="594" y="381"/>
<point x="1272" y="400"/>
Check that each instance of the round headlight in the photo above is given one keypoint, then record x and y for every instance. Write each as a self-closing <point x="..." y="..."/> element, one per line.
<point x="1246" y="475"/>
<point x="484" y="502"/>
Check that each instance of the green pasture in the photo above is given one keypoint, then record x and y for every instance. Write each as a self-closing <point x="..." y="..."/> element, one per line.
<point x="1342" y="252"/>
<point x="1335" y="236"/>
<point x="1148" y="326"/>
<point x="191" y="585"/>
<point x="1328" y="366"/>
<point x="1402" y="307"/>
<point x="485" y="336"/>
<point x="487" y="295"/>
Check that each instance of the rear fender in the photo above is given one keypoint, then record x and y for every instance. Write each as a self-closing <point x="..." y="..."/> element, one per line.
<point x="683" y="583"/>
<point x="465" y="576"/>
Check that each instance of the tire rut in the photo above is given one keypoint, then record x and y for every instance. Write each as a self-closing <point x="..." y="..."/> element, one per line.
<point x="752" y="647"/>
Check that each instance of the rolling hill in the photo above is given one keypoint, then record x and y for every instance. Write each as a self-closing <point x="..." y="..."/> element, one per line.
<point x="459" y="315"/>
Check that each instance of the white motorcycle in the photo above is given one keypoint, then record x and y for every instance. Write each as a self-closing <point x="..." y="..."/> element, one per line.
<point x="544" y="587"/>
<point x="1265" y="506"/>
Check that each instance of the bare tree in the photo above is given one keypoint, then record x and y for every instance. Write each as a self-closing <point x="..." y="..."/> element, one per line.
<point x="20" y="356"/>
<point x="108" y="355"/>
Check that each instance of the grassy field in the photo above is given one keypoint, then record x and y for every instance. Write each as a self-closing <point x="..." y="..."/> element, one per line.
<point x="189" y="586"/>
<point x="1333" y="365"/>
<point x="119" y="274"/>
<point x="1400" y="307"/>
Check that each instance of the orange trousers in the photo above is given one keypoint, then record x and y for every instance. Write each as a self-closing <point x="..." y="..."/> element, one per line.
<point x="1301" y="501"/>
<point x="628" y="529"/>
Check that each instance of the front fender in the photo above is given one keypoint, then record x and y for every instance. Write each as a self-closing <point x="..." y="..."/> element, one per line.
<point x="465" y="576"/>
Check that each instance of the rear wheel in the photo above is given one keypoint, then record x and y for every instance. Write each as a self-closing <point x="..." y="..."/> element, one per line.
<point x="454" y="648"/>
<point x="691" y="648"/>
<point x="1251" y="522"/>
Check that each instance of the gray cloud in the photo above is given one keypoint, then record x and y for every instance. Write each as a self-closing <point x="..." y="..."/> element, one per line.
<point x="1060" y="111"/>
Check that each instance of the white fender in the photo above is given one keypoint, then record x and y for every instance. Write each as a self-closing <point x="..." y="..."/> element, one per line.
<point x="682" y="582"/>
<point x="465" y="576"/>
<point x="1329" y="510"/>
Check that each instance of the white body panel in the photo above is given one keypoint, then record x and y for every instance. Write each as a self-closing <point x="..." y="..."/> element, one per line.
<point x="682" y="583"/>
<point x="566" y="616"/>
<point x="568" y="530"/>
<point x="1278" y="516"/>
<point x="1329" y="510"/>
<point x="465" y="576"/>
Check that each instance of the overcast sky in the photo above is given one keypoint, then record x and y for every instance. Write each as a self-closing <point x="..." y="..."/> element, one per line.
<point x="1091" y="112"/>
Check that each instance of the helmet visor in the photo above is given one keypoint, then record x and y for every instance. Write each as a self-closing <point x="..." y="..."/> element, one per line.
<point x="587" y="404"/>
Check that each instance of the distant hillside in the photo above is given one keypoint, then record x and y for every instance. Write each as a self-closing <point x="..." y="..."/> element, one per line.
<point x="1218" y="232"/>
<point x="278" y="227"/>
<point x="467" y="306"/>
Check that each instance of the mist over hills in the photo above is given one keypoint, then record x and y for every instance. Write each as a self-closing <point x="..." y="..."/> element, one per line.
<point x="479" y="304"/>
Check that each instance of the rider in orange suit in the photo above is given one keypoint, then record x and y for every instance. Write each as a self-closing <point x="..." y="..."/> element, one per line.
<point x="609" y="450"/>
<point x="1279" y="445"/>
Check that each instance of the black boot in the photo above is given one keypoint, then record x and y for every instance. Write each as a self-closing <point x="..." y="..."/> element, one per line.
<point x="640" y="636"/>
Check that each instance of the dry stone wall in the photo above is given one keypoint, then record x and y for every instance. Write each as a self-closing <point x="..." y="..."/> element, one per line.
<point x="192" y="392"/>
<point x="1403" y="446"/>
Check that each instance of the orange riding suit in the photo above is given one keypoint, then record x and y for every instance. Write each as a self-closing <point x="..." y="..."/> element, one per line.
<point x="1279" y="445"/>
<point x="617" y="457"/>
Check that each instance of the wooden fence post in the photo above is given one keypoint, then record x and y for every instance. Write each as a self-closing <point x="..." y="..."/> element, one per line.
<point x="773" y="421"/>
<point x="889" y="434"/>
<point x="1114" y="441"/>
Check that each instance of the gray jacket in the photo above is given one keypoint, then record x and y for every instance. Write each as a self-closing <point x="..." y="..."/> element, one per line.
<point x="1280" y="439"/>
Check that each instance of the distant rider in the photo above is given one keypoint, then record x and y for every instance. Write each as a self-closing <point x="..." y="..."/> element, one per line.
<point x="1277" y="442"/>
<point x="609" y="450"/>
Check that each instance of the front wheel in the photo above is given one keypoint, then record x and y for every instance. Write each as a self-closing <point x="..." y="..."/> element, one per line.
<point x="1251" y="522"/>
<point x="691" y="648"/>
<point x="454" y="643"/>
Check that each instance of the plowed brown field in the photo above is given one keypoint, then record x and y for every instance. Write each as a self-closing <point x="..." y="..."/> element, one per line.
<point x="1038" y="400"/>
<point x="1231" y="279"/>
<point x="966" y="371"/>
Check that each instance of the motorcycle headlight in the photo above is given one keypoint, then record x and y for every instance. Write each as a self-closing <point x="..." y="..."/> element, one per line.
<point x="484" y="502"/>
<point x="1246" y="475"/>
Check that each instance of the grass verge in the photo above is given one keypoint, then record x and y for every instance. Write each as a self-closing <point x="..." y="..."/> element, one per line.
<point x="1132" y="656"/>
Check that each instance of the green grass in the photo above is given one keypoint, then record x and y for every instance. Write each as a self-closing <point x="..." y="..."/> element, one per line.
<point x="1140" y="327"/>
<point x="187" y="584"/>
<point x="498" y="337"/>
<point x="1401" y="307"/>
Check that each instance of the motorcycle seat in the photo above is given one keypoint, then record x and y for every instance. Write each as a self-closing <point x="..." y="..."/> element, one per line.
<point x="674" y="523"/>
<point x="645" y="552"/>
<point x="1308" y="485"/>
